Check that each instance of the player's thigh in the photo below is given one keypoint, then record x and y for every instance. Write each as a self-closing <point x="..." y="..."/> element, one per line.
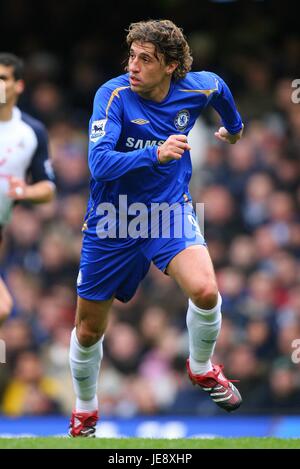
<point x="193" y="270"/>
<point x="92" y="316"/>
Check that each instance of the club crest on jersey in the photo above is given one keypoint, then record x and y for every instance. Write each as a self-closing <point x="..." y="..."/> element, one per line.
<point x="182" y="119"/>
<point x="97" y="130"/>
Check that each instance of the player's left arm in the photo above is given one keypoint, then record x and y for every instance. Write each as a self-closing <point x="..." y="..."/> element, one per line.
<point x="222" y="101"/>
<point x="41" y="187"/>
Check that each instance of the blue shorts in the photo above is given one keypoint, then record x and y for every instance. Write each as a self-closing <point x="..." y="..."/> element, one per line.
<point x="110" y="268"/>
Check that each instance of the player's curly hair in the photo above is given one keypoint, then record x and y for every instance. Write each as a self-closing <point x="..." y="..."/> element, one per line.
<point x="168" y="40"/>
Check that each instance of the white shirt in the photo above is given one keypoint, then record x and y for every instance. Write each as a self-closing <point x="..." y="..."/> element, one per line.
<point x="23" y="148"/>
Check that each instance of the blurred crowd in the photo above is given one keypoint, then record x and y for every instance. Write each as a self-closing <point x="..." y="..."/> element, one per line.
<point x="251" y="193"/>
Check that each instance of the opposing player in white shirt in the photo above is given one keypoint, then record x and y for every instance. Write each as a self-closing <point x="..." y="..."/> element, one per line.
<point x="25" y="169"/>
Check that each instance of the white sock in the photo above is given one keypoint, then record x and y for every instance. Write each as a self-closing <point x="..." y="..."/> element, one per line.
<point x="85" y="366"/>
<point x="203" y="327"/>
<point x="86" y="406"/>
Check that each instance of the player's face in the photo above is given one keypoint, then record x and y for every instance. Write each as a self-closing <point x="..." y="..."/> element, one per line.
<point x="147" y="70"/>
<point x="12" y="87"/>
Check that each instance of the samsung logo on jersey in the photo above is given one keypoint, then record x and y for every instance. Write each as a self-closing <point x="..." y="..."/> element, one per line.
<point x="138" y="143"/>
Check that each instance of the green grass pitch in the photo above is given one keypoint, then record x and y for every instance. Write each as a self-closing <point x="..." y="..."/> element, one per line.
<point x="148" y="443"/>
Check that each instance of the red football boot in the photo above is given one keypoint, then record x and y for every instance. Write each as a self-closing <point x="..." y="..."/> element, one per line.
<point x="220" y="389"/>
<point x="83" y="424"/>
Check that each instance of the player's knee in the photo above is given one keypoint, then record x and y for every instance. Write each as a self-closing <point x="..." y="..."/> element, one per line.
<point x="205" y="296"/>
<point x="88" y="335"/>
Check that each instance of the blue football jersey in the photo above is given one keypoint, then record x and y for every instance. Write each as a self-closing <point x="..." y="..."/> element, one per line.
<point x="126" y="130"/>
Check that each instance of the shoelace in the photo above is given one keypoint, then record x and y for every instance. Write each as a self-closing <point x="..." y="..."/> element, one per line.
<point x="230" y="380"/>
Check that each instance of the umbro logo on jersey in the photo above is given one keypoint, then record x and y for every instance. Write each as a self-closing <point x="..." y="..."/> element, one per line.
<point x="140" y="121"/>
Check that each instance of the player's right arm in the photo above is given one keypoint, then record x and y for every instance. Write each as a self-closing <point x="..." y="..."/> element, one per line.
<point x="173" y="148"/>
<point x="105" y="163"/>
